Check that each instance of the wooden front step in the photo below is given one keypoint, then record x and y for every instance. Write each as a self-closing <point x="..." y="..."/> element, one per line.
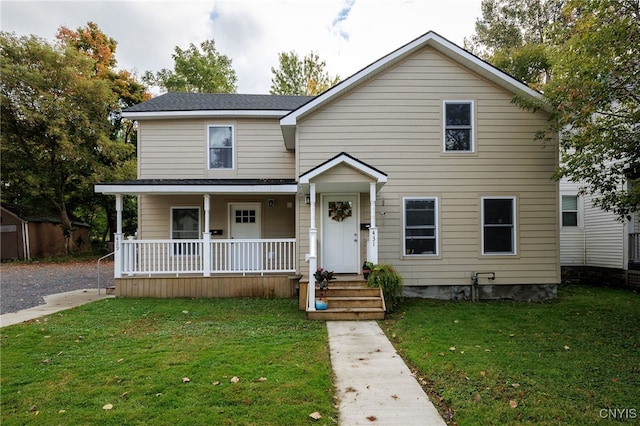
<point x="350" y="303"/>
<point x="347" y="314"/>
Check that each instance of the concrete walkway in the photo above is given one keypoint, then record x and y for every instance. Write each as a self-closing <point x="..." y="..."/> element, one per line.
<point x="53" y="303"/>
<point x="374" y="384"/>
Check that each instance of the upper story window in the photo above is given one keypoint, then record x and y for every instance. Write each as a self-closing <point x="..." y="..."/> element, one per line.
<point x="498" y="225"/>
<point x="569" y="210"/>
<point x="458" y="126"/>
<point x="420" y="226"/>
<point x="221" y="145"/>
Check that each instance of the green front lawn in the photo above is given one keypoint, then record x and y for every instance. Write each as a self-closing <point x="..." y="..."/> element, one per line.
<point x="168" y="362"/>
<point x="573" y="361"/>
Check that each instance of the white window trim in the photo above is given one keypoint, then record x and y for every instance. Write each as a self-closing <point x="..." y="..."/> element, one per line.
<point x="436" y="233"/>
<point x="444" y="125"/>
<point x="578" y="211"/>
<point x="184" y="208"/>
<point x="173" y="208"/>
<point x="514" y="235"/>
<point x="233" y="147"/>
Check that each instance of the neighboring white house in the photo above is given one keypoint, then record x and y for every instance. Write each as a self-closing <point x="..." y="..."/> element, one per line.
<point x="596" y="247"/>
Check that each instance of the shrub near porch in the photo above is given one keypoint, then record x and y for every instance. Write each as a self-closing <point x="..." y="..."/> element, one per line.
<point x="567" y="362"/>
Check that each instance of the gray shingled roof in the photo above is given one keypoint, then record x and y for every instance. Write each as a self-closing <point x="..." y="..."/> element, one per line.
<point x="181" y="101"/>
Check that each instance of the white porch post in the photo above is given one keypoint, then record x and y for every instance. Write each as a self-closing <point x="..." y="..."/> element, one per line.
<point x="118" y="237"/>
<point x="206" y="238"/>
<point x="372" y="244"/>
<point x="313" y="249"/>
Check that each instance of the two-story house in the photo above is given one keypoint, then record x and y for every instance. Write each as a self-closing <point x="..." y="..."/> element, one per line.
<point x="420" y="160"/>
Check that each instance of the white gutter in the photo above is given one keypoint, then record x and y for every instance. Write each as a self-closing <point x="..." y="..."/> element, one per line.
<point x="196" y="189"/>
<point x="153" y="115"/>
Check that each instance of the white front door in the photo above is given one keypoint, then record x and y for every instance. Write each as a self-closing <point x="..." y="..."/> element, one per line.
<point x="245" y="224"/>
<point x="340" y="247"/>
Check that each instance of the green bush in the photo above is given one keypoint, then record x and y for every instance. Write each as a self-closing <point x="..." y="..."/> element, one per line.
<point x="386" y="277"/>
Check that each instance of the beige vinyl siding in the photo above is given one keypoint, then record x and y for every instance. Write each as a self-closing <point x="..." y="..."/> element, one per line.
<point x="178" y="149"/>
<point x="277" y="221"/>
<point x="394" y="123"/>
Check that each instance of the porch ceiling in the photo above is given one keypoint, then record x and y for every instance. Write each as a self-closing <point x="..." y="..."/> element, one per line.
<point x="199" y="186"/>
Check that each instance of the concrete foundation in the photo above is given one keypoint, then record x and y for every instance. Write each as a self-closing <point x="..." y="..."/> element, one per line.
<point x="522" y="292"/>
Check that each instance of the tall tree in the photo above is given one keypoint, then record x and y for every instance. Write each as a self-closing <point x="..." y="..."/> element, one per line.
<point x="95" y="44"/>
<point x="515" y="35"/>
<point x="196" y="70"/>
<point x="54" y="117"/>
<point x="295" y="76"/>
<point x="595" y="95"/>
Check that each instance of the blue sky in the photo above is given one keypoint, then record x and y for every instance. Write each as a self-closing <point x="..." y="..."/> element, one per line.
<point x="347" y="34"/>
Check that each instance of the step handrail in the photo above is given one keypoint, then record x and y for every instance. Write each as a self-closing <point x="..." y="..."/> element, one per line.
<point x="102" y="258"/>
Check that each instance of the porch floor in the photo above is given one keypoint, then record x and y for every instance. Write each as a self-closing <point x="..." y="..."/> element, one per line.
<point x="349" y="298"/>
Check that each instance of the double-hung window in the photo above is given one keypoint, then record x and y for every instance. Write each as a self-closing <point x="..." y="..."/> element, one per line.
<point x="570" y="210"/>
<point x="458" y="126"/>
<point x="420" y="226"/>
<point x="498" y="225"/>
<point x="220" y="146"/>
<point x="185" y="225"/>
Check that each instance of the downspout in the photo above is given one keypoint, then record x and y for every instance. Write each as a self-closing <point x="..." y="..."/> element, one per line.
<point x="26" y="250"/>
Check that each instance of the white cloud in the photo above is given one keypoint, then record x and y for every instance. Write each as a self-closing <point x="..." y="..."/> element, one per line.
<point x="347" y="34"/>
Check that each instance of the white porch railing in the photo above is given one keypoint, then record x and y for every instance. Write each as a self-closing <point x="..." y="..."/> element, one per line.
<point x="150" y="257"/>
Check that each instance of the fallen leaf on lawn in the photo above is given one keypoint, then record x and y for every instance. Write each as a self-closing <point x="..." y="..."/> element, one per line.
<point x="235" y="379"/>
<point x="461" y="352"/>
<point x="477" y="397"/>
<point x="33" y="408"/>
<point x="159" y="394"/>
<point x="107" y="407"/>
<point x="124" y="394"/>
<point x="315" y="415"/>
<point x="483" y="374"/>
<point x="512" y="403"/>
<point x="62" y="411"/>
<point x="262" y="379"/>
<point x="120" y="360"/>
<point x="216" y="383"/>
<point x="566" y="348"/>
<point x="187" y="323"/>
<point x="46" y="361"/>
<point x="452" y="348"/>
<point x="515" y="385"/>
<point x="614" y="380"/>
<point x="185" y="312"/>
<point x="47" y="337"/>
<point x="185" y="379"/>
<point x="441" y="354"/>
<point x="487" y="350"/>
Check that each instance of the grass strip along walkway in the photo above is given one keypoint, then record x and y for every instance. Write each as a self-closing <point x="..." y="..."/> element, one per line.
<point x="574" y="361"/>
<point x="168" y="362"/>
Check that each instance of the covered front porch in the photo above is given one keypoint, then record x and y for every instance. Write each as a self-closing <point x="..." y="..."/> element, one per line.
<point x="207" y="238"/>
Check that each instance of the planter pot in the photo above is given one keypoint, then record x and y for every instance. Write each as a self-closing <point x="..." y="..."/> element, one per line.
<point x="321" y="304"/>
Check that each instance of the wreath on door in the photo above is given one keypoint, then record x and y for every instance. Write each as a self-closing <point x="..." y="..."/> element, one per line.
<point x="339" y="210"/>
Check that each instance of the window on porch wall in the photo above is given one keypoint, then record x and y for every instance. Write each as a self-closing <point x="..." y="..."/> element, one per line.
<point x="185" y="224"/>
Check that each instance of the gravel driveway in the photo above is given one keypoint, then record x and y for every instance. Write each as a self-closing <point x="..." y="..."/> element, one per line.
<point x="24" y="285"/>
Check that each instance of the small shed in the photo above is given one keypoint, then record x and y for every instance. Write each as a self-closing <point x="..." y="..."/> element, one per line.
<point x="24" y="236"/>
